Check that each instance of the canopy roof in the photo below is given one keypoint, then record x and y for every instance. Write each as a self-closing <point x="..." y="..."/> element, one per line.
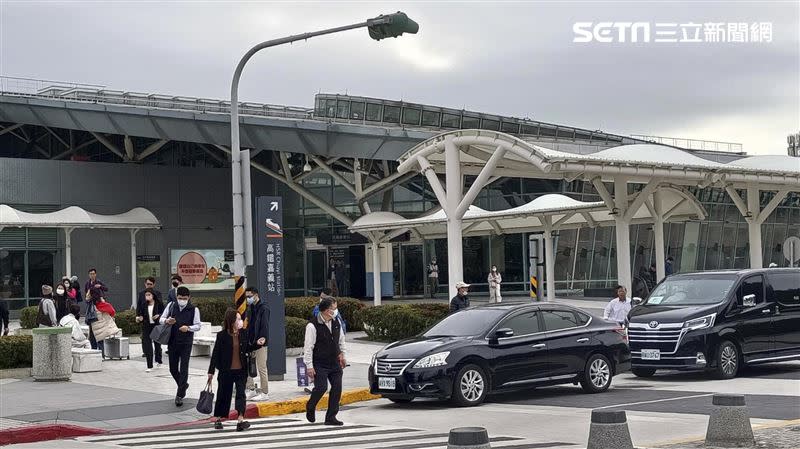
<point x="561" y="211"/>
<point x="638" y="162"/>
<point x="75" y="217"/>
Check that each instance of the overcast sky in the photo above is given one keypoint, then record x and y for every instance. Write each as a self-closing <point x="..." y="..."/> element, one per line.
<point x="514" y="59"/>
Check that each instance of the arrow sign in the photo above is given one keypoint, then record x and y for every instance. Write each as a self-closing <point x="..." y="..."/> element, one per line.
<point x="273" y="205"/>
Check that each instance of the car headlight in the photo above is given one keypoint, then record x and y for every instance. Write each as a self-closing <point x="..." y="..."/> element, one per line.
<point x="432" y="360"/>
<point x="700" y="323"/>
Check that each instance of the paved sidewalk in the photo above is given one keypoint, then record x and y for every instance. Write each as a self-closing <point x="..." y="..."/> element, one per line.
<point x="123" y="395"/>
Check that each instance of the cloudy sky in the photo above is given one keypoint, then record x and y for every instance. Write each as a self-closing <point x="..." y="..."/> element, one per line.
<point x="515" y="58"/>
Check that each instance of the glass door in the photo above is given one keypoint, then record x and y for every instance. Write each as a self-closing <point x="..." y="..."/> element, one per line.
<point x="316" y="271"/>
<point x="412" y="270"/>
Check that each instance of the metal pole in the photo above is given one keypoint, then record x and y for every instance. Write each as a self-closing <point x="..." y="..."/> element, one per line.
<point x="376" y="273"/>
<point x="247" y="208"/>
<point x="550" y="264"/>
<point x="754" y="227"/>
<point x="658" y="233"/>
<point x="133" y="267"/>
<point x="623" y="233"/>
<point x="455" y="262"/>
<point x="236" y="168"/>
<point x="67" y="250"/>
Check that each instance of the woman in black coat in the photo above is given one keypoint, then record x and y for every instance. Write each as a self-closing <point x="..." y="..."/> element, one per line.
<point x="147" y="313"/>
<point x="230" y="357"/>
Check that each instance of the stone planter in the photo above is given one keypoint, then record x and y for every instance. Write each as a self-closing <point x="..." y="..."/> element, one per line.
<point x="22" y="331"/>
<point x="52" y="353"/>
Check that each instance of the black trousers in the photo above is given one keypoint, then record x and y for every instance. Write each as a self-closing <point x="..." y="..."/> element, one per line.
<point x="323" y="376"/>
<point x="148" y="345"/>
<point x="225" y="383"/>
<point x="179" y="366"/>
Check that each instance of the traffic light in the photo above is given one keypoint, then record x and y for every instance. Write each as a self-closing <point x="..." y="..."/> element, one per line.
<point x="391" y="25"/>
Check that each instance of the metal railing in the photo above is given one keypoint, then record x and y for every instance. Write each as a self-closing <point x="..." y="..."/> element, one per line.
<point x="693" y="144"/>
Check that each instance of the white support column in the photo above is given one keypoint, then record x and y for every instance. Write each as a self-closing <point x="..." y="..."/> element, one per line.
<point x="658" y="232"/>
<point x="623" y="233"/>
<point x="455" y="253"/>
<point x="133" y="267"/>
<point x="549" y="260"/>
<point x="67" y="250"/>
<point x="376" y="273"/>
<point x="754" y="227"/>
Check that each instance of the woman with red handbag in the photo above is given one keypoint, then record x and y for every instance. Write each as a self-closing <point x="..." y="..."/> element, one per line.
<point x="230" y="357"/>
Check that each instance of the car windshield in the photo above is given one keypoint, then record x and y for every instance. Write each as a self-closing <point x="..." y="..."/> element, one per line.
<point x="466" y="323"/>
<point x="684" y="290"/>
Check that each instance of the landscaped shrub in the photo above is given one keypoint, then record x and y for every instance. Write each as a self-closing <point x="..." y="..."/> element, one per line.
<point x="295" y="332"/>
<point x="16" y="351"/>
<point x="399" y="321"/>
<point x="303" y="307"/>
<point x="126" y="320"/>
<point x="212" y="309"/>
<point x="27" y="317"/>
<point x="300" y="307"/>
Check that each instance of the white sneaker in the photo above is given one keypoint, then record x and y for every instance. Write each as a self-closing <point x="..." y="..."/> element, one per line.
<point x="260" y="398"/>
<point x="148" y="370"/>
<point x="251" y="394"/>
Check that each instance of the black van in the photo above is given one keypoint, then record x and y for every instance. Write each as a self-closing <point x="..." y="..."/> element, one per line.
<point x="717" y="321"/>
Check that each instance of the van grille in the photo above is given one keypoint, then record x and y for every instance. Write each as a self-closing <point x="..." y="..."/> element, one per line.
<point x="666" y="338"/>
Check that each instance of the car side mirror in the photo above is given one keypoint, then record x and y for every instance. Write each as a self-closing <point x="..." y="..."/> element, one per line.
<point x="749" y="301"/>
<point x="637" y="300"/>
<point x="503" y="333"/>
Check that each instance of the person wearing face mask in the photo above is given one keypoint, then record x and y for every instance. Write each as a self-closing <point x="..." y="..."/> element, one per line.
<point x="61" y="301"/>
<point x="257" y="333"/>
<point x="336" y="315"/>
<point x="230" y="358"/>
<point x="70" y="291"/>
<point x="460" y="301"/>
<point x="494" y="280"/>
<point x="176" y="282"/>
<point x="147" y="313"/>
<point x="184" y="319"/>
<point x="324" y="355"/>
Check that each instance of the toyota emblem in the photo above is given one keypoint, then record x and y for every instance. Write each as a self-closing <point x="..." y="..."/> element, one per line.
<point x="653" y="324"/>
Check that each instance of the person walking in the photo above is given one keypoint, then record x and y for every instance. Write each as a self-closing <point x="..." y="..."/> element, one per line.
<point x="669" y="266"/>
<point x="47" y="309"/>
<point x="618" y="308"/>
<point x="4" y="318"/>
<point x="147" y="313"/>
<point x="91" y="318"/>
<point x="324" y="355"/>
<point x="149" y="282"/>
<point x="257" y="335"/>
<point x="433" y="277"/>
<point x="460" y="301"/>
<point x="230" y="358"/>
<point x="336" y="315"/>
<point x="176" y="280"/>
<point x="184" y="318"/>
<point x="93" y="282"/>
<point x="71" y="320"/>
<point x="494" y="280"/>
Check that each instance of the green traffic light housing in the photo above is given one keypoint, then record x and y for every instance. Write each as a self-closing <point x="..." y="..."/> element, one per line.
<point x="391" y="25"/>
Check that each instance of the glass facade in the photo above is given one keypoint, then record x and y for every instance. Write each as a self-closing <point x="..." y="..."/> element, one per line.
<point x="26" y="263"/>
<point x="585" y="258"/>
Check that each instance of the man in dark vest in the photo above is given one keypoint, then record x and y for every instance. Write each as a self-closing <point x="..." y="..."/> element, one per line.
<point x="184" y="318"/>
<point x="324" y="356"/>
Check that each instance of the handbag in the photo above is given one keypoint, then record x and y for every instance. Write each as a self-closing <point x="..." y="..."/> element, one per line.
<point x="161" y="333"/>
<point x="205" y="404"/>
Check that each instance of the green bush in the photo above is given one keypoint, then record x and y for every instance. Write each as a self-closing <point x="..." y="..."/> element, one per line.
<point x="303" y="307"/>
<point x="295" y="332"/>
<point x="212" y="309"/>
<point x="16" y="351"/>
<point x="399" y="321"/>
<point x="27" y="317"/>
<point x="126" y="320"/>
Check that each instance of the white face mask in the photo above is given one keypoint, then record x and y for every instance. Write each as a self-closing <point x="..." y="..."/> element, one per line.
<point x="251" y="300"/>
<point x="60" y="291"/>
<point x="182" y="302"/>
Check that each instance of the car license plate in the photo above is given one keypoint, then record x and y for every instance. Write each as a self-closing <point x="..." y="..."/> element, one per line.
<point x="387" y="383"/>
<point x="651" y="354"/>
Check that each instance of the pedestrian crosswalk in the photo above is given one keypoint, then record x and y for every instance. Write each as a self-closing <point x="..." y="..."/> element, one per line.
<point x="287" y="433"/>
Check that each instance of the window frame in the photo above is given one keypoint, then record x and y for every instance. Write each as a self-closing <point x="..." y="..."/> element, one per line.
<point x="770" y="277"/>
<point x="515" y="314"/>
<point x="544" y="322"/>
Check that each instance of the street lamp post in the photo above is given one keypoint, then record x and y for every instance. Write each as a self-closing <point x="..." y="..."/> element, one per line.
<point x="381" y="27"/>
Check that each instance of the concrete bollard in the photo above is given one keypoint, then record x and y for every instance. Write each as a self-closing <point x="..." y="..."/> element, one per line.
<point x="468" y="438"/>
<point x="729" y="424"/>
<point x="52" y="353"/>
<point x="609" y="430"/>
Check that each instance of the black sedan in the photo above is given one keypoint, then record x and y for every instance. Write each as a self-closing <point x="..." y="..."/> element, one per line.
<point x="502" y="347"/>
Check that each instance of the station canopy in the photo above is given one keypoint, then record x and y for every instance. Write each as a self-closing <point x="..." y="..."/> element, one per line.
<point x="76" y="217"/>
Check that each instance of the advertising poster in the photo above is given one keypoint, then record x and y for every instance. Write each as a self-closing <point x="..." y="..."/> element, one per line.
<point x="203" y="269"/>
<point x="148" y="266"/>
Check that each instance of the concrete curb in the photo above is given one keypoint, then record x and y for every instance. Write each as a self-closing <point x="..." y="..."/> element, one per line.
<point x="15" y="373"/>
<point x="298" y="405"/>
<point x="700" y="439"/>
<point x="35" y="434"/>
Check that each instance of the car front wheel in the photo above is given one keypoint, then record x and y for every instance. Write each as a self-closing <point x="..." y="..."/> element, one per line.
<point x="727" y="361"/>
<point x="470" y="386"/>
<point x="597" y="374"/>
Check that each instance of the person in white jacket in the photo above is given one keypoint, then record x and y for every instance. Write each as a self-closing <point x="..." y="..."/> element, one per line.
<point x="79" y="340"/>
<point x="494" y="280"/>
